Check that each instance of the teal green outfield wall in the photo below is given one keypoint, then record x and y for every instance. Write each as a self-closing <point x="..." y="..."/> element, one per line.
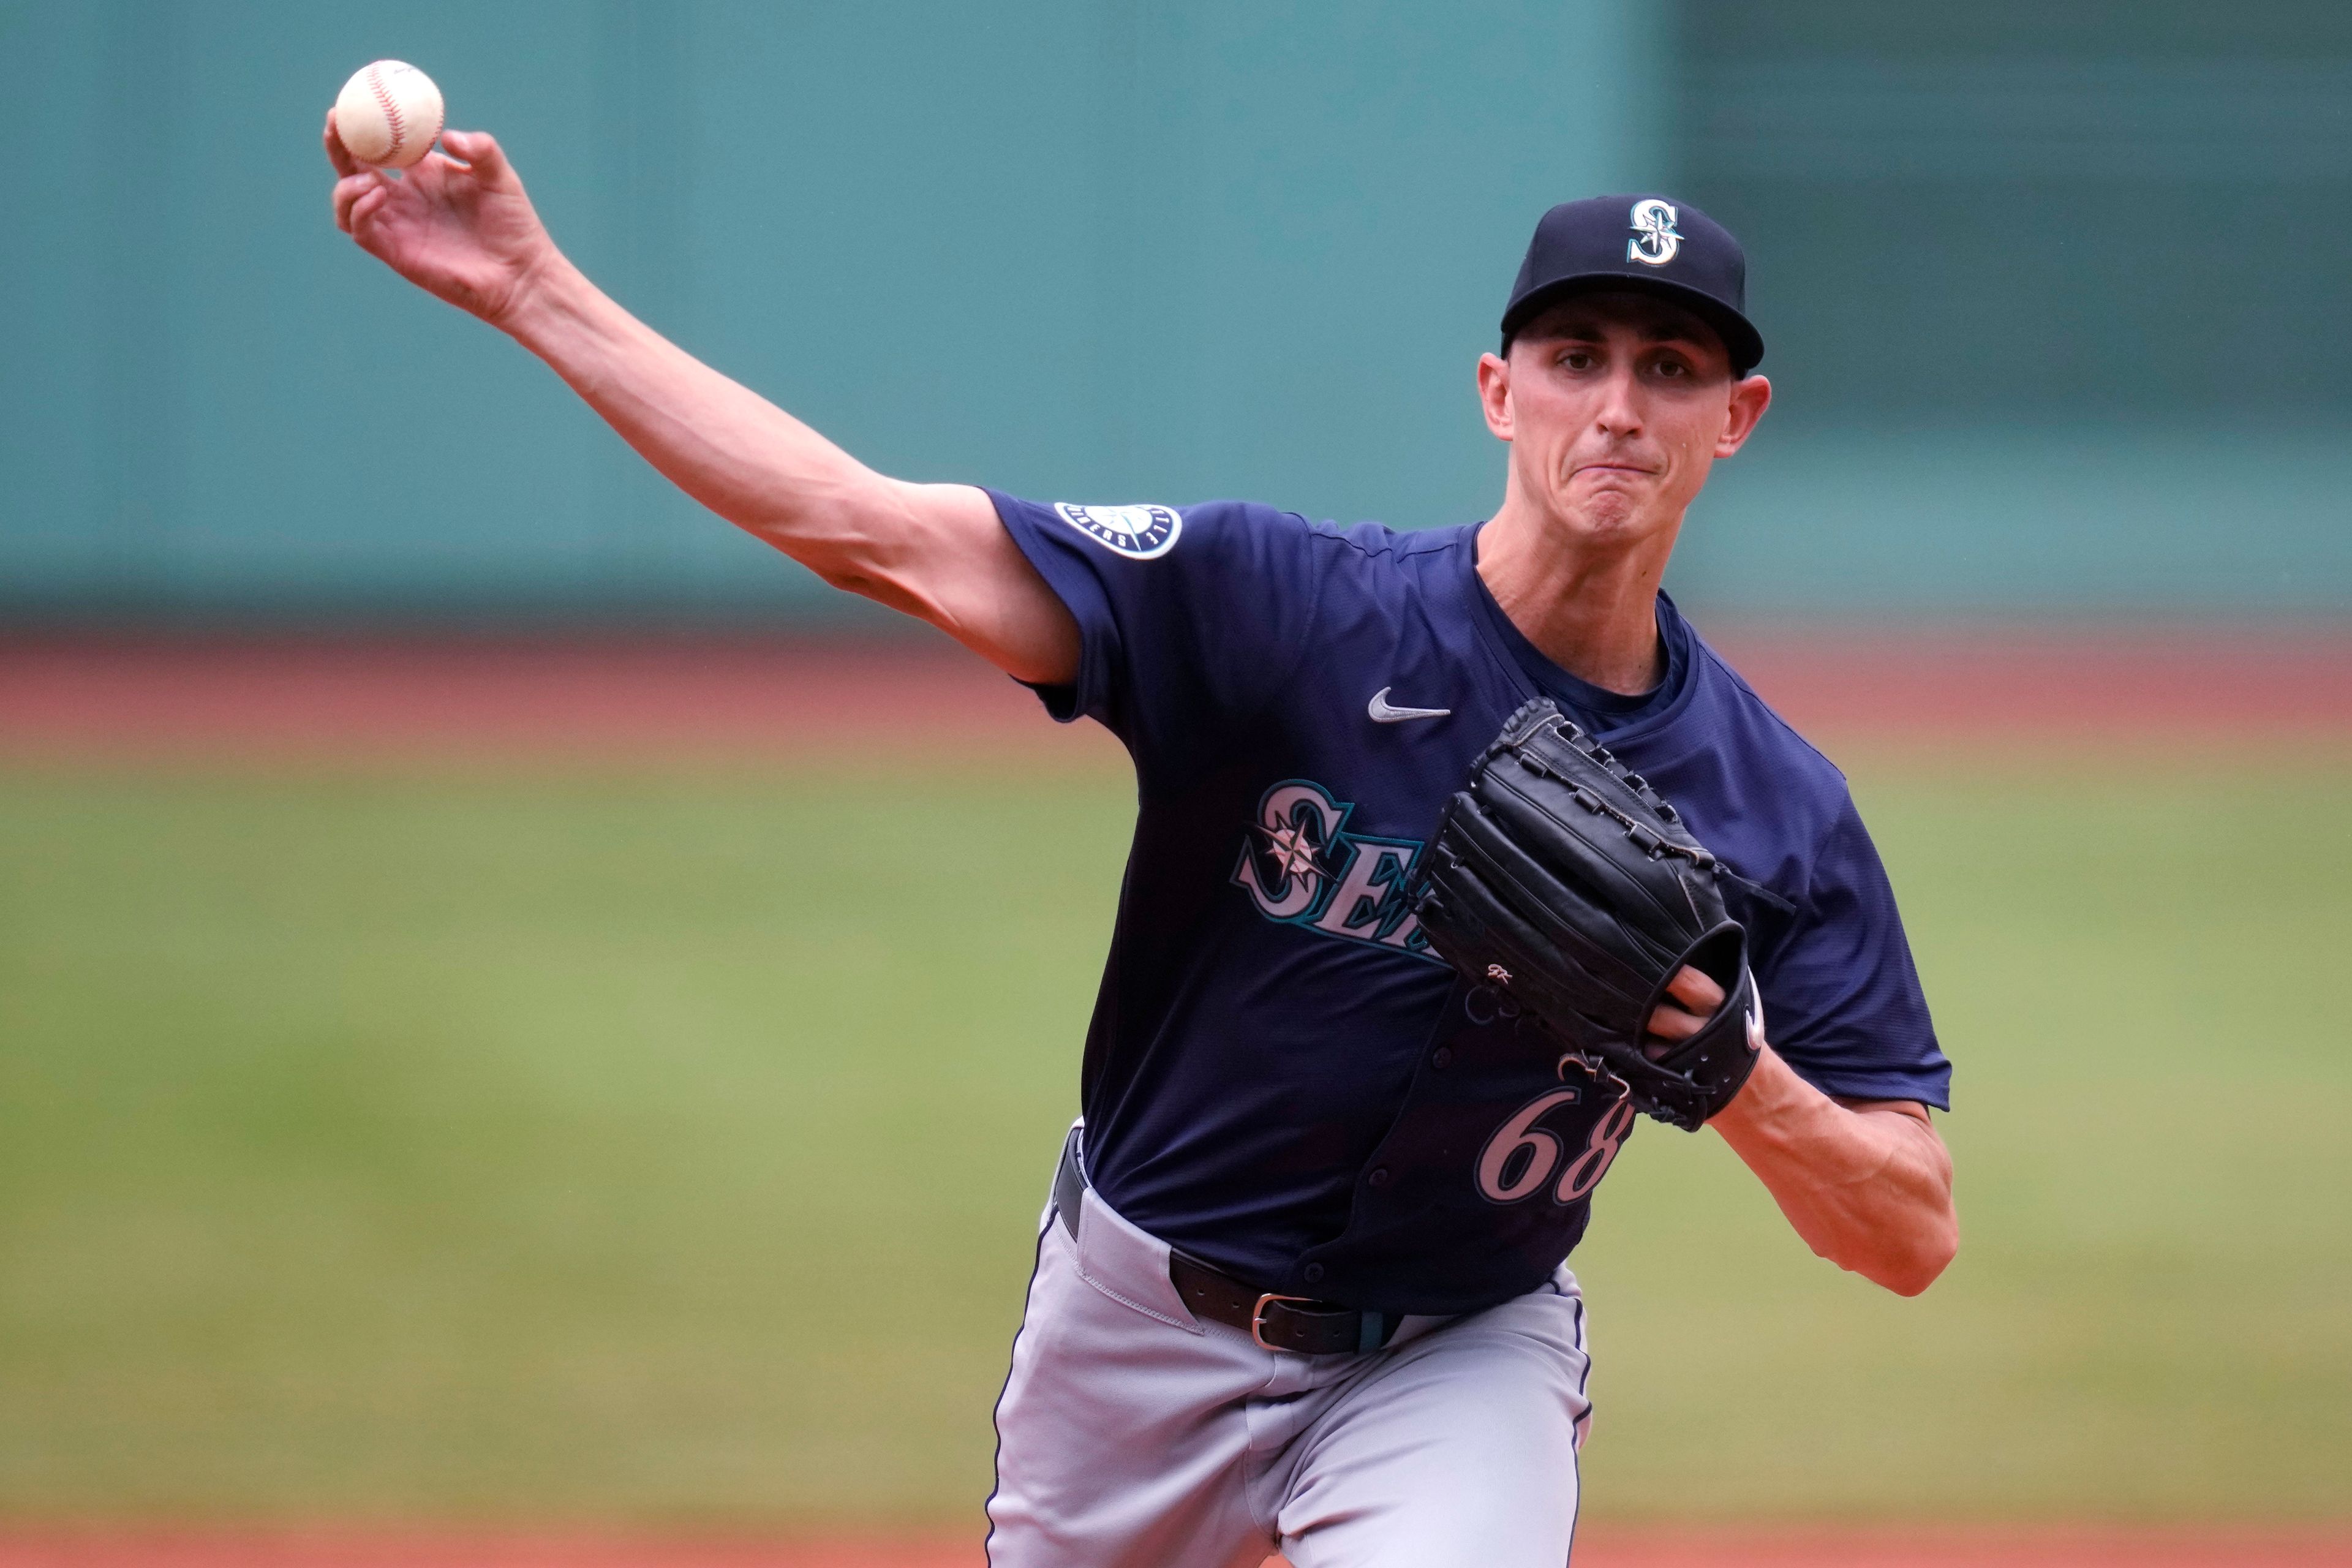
<point x="1071" y="248"/>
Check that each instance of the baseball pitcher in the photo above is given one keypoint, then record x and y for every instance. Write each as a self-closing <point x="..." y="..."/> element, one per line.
<point x="1457" y="852"/>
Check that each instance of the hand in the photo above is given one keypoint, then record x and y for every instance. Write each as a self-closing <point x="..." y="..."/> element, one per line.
<point x="457" y="224"/>
<point x="1691" y="999"/>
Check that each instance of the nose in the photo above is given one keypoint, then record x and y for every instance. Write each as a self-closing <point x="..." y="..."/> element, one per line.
<point x="1620" y="410"/>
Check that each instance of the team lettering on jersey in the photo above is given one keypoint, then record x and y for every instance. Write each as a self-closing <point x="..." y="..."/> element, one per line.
<point x="1301" y="867"/>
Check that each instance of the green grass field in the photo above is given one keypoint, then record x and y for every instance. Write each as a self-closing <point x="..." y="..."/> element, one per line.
<point x="660" y="1149"/>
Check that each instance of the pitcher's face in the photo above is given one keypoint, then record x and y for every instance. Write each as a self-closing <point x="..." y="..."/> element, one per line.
<point x="1616" y="406"/>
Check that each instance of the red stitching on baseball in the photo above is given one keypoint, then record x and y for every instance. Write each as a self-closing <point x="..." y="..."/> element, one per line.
<point x="390" y="111"/>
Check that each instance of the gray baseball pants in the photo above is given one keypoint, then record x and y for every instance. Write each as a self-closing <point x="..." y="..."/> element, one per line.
<point x="1132" y="1435"/>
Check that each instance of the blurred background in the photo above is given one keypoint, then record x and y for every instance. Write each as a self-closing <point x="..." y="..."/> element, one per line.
<point x="2052" y="293"/>
<point x="517" y="1006"/>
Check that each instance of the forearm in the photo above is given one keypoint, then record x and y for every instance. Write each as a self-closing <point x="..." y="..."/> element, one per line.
<point x="1870" y="1189"/>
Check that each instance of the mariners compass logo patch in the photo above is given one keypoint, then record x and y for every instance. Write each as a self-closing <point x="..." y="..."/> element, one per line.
<point x="1655" y="240"/>
<point x="1138" y="532"/>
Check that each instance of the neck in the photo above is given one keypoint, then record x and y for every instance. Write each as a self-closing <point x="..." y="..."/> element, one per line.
<point x="1589" y="607"/>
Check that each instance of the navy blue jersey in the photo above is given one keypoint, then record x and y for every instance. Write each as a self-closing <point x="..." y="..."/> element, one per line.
<point x="1280" y="1078"/>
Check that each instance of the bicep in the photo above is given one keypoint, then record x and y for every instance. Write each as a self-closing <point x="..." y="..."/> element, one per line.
<point x="1842" y="995"/>
<point x="940" y="552"/>
<point x="1168" y="625"/>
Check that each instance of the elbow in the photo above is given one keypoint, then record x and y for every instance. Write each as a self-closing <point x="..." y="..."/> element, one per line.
<point x="1922" y="1246"/>
<point x="1914" y="1278"/>
<point x="870" y="584"/>
<point x="1911" y="1269"/>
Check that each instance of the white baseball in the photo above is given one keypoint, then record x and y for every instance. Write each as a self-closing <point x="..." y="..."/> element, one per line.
<point x="388" y="114"/>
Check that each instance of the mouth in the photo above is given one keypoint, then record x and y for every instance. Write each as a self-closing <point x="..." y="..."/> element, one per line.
<point x="1613" y="468"/>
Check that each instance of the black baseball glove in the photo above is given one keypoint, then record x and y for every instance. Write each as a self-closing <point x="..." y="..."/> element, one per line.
<point x="1562" y="879"/>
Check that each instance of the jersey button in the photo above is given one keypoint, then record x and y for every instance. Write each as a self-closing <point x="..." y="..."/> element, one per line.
<point x="1312" y="1273"/>
<point x="1442" y="1059"/>
<point x="1379" y="1176"/>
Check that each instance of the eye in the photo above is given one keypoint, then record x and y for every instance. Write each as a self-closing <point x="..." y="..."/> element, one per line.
<point x="1673" y="369"/>
<point x="1578" y="359"/>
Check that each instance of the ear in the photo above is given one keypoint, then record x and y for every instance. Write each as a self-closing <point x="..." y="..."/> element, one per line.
<point x="1749" y="399"/>
<point x="1495" y="395"/>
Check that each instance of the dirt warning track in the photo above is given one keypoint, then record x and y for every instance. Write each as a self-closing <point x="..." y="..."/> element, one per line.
<point x="143" y="700"/>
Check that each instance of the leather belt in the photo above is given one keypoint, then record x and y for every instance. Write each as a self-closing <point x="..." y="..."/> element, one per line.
<point x="1300" y="1324"/>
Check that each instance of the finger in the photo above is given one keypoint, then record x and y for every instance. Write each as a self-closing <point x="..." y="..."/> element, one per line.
<point x="348" y="191"/>
<point x="1674" y="1024"/>
<point x="337" y="154"/>
<point x="369" y="204"/>
<point x="1695" y="992"/>
<point x="478" y="148"/>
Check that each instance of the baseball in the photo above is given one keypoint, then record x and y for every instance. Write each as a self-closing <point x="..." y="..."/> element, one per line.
<point x="388" y="114"/>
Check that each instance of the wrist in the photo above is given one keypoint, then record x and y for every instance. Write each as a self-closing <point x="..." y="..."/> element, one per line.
<point x="545" y="291"/>
<point x="1772" y="1105"/>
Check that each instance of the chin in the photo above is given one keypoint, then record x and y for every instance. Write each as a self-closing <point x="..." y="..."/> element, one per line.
<point x="1603" y="513"/>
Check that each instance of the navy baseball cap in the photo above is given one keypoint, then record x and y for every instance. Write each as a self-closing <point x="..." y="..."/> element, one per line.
<point x="1649" y="243"/>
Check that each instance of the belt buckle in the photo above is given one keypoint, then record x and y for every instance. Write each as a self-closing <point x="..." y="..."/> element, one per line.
<point x="1258" y="1316"/>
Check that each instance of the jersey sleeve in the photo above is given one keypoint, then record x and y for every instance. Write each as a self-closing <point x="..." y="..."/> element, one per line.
<point x="1190" y="619"/>
<point x="1841" y="997"/>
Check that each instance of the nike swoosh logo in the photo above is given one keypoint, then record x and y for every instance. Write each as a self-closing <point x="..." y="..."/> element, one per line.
<point x="1382" y="713"/>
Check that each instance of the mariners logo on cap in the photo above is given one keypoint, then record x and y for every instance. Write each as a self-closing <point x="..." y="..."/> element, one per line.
<point x="1655" y="240"/>
<point x="1138" y="532"/>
